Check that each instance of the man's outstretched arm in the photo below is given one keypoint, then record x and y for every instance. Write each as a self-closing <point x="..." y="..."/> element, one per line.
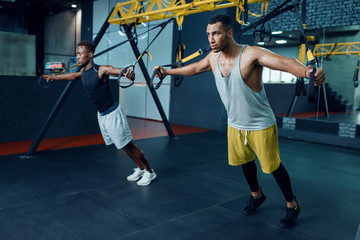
<point x="115" y="72"/>
<point x="66" y="76"/>
<point x="274" y="61"/>
<point x="189" y="70"/>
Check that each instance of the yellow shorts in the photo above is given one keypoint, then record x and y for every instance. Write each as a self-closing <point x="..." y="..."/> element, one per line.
<point x="263" y="143"/>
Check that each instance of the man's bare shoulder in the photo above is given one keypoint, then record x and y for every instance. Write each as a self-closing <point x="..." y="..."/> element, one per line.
<point x="105" y="67"/>
<point x="254" y="52"/>
<point x="212" y="56"/>
<point x="251" y="49"/>
<point x="211" y="59"/>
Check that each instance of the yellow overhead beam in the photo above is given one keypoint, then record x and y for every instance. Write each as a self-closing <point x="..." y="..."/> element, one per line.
<point x="328" y="49"/>
<point x="337" y="49"/>
<point x="135" y="11"/>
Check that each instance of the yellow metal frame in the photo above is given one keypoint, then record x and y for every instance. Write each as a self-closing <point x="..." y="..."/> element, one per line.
<point x="330" y="49"/>
<point x="339" y="49"/>
<point x="133" y="11"/>
<point x="302" y="53"/>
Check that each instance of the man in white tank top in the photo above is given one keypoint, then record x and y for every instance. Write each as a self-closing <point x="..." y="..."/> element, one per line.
<point x="251" y="122"/>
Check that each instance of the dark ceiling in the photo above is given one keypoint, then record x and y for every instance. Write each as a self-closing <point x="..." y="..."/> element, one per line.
<point x="36" y="8"/>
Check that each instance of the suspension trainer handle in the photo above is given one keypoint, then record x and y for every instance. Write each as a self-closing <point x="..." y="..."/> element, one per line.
<point x="122" y="73"/>
<point x="153" y="77"/>
<point x="311" y="88"/>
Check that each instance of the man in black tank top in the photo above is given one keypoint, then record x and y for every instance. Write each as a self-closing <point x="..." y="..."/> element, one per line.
<point x="245" y="141"/>
<point x="112" y="121"/>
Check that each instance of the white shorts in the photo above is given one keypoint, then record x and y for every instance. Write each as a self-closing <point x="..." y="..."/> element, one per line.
<point x="115" y="128"/>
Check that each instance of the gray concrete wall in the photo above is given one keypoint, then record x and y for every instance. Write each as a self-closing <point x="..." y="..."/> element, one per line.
<point x="18" y="57"/>
<point x="61" y="35"/>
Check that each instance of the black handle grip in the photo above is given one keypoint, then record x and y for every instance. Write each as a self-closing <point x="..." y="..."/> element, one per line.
<point x="123" y="72"/>
<point x="161" y="78"/>
<point x="311" y="87"/>
<point x="121" y="75"/>
<point x="42" y="82"/>
<point x="160" y="82"/>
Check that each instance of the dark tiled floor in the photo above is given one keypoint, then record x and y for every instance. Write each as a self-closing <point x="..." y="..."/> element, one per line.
<point x="82" y="193"/>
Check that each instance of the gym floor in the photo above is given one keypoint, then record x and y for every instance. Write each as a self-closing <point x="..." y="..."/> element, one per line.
<point x="82" y="193"/>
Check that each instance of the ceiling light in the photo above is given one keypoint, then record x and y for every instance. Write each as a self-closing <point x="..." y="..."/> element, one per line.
<point x="281" y="41"/>
<point x="260" y="43"/>
<point x="73" y="5"/>
<point x="276" y="32"/>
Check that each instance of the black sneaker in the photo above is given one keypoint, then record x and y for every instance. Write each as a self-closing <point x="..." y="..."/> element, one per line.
<point x="253" y="204"/>
<point x="290" y="219"/>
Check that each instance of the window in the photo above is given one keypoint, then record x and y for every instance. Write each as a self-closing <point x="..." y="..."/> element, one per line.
<point x="274" y="76"/>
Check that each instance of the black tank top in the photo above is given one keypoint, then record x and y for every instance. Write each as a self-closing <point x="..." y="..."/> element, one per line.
<point x="98" y="91"/>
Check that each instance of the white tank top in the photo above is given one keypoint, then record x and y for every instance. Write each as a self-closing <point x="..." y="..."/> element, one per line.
<point x="246" y="109"/>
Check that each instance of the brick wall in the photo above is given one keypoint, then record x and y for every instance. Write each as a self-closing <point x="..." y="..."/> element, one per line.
<point x="319" y="14"/>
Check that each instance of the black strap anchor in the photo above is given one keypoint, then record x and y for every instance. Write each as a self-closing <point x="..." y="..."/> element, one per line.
<point x="300" y="90"/>
<point x="356" y="74"/>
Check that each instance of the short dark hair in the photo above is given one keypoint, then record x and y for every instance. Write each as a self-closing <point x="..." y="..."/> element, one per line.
<point x="224" y="19"/>
<point x="87" y="44"/>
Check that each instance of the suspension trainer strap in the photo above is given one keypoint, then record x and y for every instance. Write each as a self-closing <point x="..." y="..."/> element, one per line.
<point x="162" y="25"/>
<point x="121" y="43"/>
<point x="356" y="74"/>
<point x="311" y="60"/>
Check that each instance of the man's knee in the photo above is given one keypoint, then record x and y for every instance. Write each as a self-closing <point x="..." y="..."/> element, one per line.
<point x="129" y="146"/>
